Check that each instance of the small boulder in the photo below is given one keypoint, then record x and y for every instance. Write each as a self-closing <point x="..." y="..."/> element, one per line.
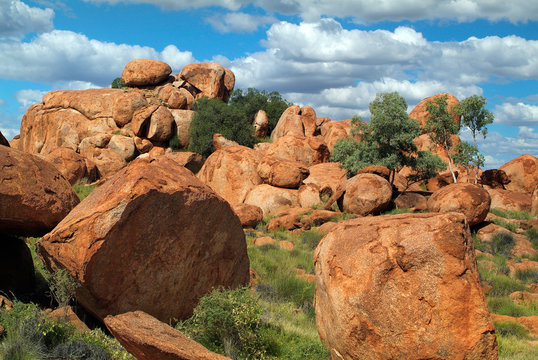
<point x="494" y="178"/>
<point x="73" y="166"/>
<point x="334" y="130"/>
<point x="420" y="113"/>
<point x="309" y="195"/>
<point x="142" y="145"/>
<point x="282" y="173"/>
<point x="125" y="106"/>
<point x="145" y="72"/>
<point x="402" y="287"/>
<point x="167" y="238"/>
<point x="161" y="125"/>
<point x="411" y="200"/>
<point x="308" y="151"/>
<point x="471" y="200"/>
<point x="509" y="200"/>
<point x="367" y="194"/>
<point x="265" y="240"/>
<point x="324" y="175"/>
<point x="296" y="121"/>
<point x="149" y="339"/>
<point x="183" y="119"/>
<point x="523" y="173"/>
<point x="261" y="124"/>
<point x="209" y="79"/>
<point x="190" y="160"/>
<point x="34" y="196"/>
<point x="220" y="142"/>
<point x="271" y="199"/>
<point x="249" y="215"/>
<point x="123" y="146"/>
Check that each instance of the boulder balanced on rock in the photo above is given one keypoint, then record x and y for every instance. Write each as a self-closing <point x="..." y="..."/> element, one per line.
<point x="151" y="238"/>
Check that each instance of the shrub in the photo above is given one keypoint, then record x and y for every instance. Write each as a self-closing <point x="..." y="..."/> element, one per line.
<point x="527" y="276"/>
<point x="229" y="322"/>
<point x="214" y="116"/>
<point x="532" y="236"/>
<point x="83" y="190"/>
<point x="502" y="243"/>
<point x="311" y="238"/>
<point x="117" y="83"/>
<point x="509" y="328"/>
<point x="512" y="214"/>
<point x="63" y="287"/>
<point x="79" y="350"/>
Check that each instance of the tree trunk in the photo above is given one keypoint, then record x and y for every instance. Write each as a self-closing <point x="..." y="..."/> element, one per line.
<point x="477" y="155"/>
<point x="450" y="163"/>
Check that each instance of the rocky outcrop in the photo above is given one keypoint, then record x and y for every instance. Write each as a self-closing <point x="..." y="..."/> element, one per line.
<point x="144" y="72"/>
<point x="220" y="142"/>
<point x="367" y="194"/>
<point x="308" y="151"/>
<point x="420" y="113"/>
<point x="34" y="196"/>
<point x="509" y="200"/>
<point x="167" y="238"/>
<point x="232" y="172"/>
<point x="325" y="175"/>
<point x="332" y="131"/>
<point x="471" y="200"/>
<point x="296" y="121"/>
<point x="271" y="199"/>
<point x="189" y="160"/>
<point x="282" y="173"/>
<point x="73" y="166"/>
<point x="209" y="79"/>
<point x="261" y="124"/>
<point x="402" y="287"/>
<point x="523" y="173"/>
<point x="148" y="339"/>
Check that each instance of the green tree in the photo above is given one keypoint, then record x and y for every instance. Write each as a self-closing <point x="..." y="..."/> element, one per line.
<point x="387" y="140"/>
<point x="118" y="83"/>
<point x="468" y="156"/>
<point x="252" y="100"/>
<point x="476" y="117"/>
<point x="441" y="127"/>
<point x="214" y="116"/>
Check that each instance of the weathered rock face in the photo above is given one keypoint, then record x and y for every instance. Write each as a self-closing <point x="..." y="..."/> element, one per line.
<point x="326" y="175"/>
<point x="249" y="215"/>
<point x="309" y="195"/>
<point x="523" y="173"/>
<point x="402" y="287"/>
<point x="282" y="173"/>
<point x="73" y="166"/>
<point x="143" y="72"/>
<point x="471" y="200"/>
<point x="271" y="199"/>
<point x="160" y="125"/>
<point x="16" y="267"/>
<point x="220" y="142"/>
<point x="261" y="124"/>
<point x="3" y="140"/>
<point x="34" y="196"/>
<point x="420" y="113"/>
<point x="309" y="151"/>
<point x="232" y="172"/>
<point x="148" y="339"/>
<point x="167" y="238"/>
<point x="367" y="194"/>
<point x="494" y="178"/>
<point x="296" y="121"/>
<point x="411" y="200"/>
<point x="332" y="131"/>
<point x="183" y="119"/>
<point x="509" y="200"/>
<point x="190" y="160"/>
<point x="210" y="79"/>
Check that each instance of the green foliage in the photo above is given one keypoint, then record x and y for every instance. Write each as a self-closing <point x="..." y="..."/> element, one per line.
<point x="79" y="350"/>
<point x="468" y="156"/>
<point x="230" y="322"/>
<point x="532" y="236"/>
<point x="440" y="126"/>
<point x="509" y="328"/>
<point x="527" y="276"/>
<point x="503" y="305"/>
<point x="63" y="287"/>
<point x="512" y="214"/>
<point x="502" y="243"/>
<point x="174" y="143"/>
<point x="214" y="116"/>
<point x="512" y="348"/>
<point x="83" y="190"/>
<point x="505" y="224"/>
<point x="387" y="140"/>
<point x="252" y="100"/>
<point x="311" y="238"/>
<point x="118" y="83"/>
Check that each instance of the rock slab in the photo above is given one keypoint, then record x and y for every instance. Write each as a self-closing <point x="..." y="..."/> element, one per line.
<point x="402" y="287"/>
<point x="151" y="238"/>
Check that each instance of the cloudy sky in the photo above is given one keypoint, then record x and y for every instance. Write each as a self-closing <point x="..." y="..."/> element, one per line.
<point x="332" y="55"/>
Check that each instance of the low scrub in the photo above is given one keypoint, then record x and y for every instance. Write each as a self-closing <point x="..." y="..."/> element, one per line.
<point x="512" y="214"/>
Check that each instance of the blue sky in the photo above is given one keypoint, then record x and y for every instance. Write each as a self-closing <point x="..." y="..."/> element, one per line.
<point x="332" y="55"/>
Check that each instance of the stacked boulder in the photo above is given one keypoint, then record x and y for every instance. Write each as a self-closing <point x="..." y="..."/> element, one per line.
<point x="111" y="127"/>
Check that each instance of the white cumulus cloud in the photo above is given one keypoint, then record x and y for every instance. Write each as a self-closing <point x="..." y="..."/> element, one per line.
<point x="239" y="22"/>
<point x="518" y="114"/>
<point x="17" y="18"/>
<point x="28" y="97"/>
<point x="179" y="4"/>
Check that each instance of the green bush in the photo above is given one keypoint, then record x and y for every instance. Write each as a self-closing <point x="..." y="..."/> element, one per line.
<point x="63" y="287"/>
<point x="503" y="305"/>
<point x="311" y="238"/>
<point x="527" y="276"/>
<point x="509" y="328"/>
<point x="512" y="214"/>
<point x="79" y="350"/>
<point x="505" y="224"/>
<point x="502" y="243"/>
<point x="532" y="236"/>
<point x="117" y="83"/>
<point x="83" y="190"/>
<point x="230" y="322"/>
<point x="214" y="116"/>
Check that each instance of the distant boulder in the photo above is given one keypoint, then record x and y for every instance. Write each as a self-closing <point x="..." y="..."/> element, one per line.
<point x="367" y="194"/>
<point x="523" y="173"/>
<point x="510" y="200"/>
<point x="144" y="72"/>
<point x="308" y="151"/>
<point x="296" y="121"/>
<point x="209" y="79"/>
<point x="282" y="173"/>
<point x="261" y="124"/>
<point x="494" y="178"/>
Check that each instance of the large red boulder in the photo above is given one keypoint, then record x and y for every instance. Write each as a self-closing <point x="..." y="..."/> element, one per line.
<point x="149" y="339"/>
<point x="367" y="194"/>
<point x="510" y="200"/>
<point x="34" y="196"/>
<point x="523" y="173"/>
<point x="420" y="113"/>
<point x="209" y="79"/>
<point x="272" y="199"/>
<point x="151" y="238"/>
<point x="402" y="287"/>
<point x="308" y="151"/>
<point x="231" y="172"/>
<point x="296" y="121"/>
<point x="282" y="173"/>
<point x="471" y="200"/>
<point x="73" y="166"/>
<point x="143" y="72"/>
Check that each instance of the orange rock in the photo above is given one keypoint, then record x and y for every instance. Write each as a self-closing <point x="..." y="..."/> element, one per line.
<point x="160" y="125"/>
<point x="34" y="196"/>
<point x="232" y="172"/>
<point x="471" y="200"/>
<point x="261" y="124"/>
<point x="286" y="245"/>
<point x="523" y="173"/>
<point x="509" y="200"/>
<point x="141" y="119"/>
<point x="534" y="203"/>
<point x="73" y="166"/>
<point x="125" y="105"/>
<point x="271" y="199"/>
<point x="494" y="178"/>
<point x="66" y="313"/>
<point x="326" y="228"/>
<point x="367" y="194"/>
<point x="148" y="339"/>
<point x="333" y="130"/>
<point x="142" y="145"/>
<point x="282" y="173"/>
<point x="529" y="322"/>
<point x="264" y="241"/>
<point x="123" y="146"/>
<point x="220" y="142"/>
<point x="327" y="174"/>
<point x="420" y="113"/>
<point x="521" y="265"/>
<point x="402" y="287"/>
<point x="308" y="151"/>
<point x="167" y="238"/>
<point x="210" y="79"/>
<point x="143" y="72"/>
<point x="523" y="247"/>
<point x="15" y="142"/>
<point x="309" y="195"/>
<point x="412" y="201"/>
<point x="190" y="160"/>
<point x="519" y="297"/>
<point x="288" y="219"/>
<point x="183" y="119"/>
<point x="487" y="232"/>
<point x="249" y="215"/>
<point x="296" y="121"/>
<point x="173" y="97"/>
